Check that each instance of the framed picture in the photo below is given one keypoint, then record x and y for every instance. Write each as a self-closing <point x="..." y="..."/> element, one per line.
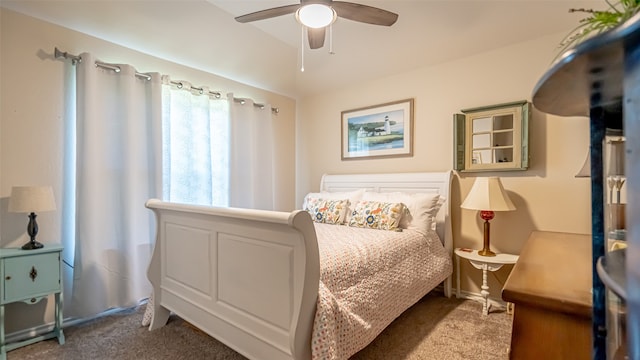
<point x="378" y="131"/>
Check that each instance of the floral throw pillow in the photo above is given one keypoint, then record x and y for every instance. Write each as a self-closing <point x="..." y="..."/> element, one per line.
<point x="421" y="208"/>
<point x="377" y="215"/>
<point x="352" y="196"/>
<point x="327" y="211"/>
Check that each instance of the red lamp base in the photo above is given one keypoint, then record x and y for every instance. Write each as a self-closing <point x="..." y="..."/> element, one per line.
<point x="486" y="215"/>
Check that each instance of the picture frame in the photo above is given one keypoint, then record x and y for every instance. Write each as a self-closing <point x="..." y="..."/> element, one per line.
<point x="378" y="131"/>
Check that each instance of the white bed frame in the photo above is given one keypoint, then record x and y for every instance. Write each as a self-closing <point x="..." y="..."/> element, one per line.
<point x="249" y="278"/>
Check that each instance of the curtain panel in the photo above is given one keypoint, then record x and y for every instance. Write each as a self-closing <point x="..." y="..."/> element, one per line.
<point x="139" y="138"/>
<point x="118" y="168"/>
<point x="251" y="166"/>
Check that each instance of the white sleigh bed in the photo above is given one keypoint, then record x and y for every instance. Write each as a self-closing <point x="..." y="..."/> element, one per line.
<point x="250" y="278"/>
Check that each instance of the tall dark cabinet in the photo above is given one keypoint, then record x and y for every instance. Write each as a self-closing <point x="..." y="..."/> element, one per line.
<point x="600" y="79"/>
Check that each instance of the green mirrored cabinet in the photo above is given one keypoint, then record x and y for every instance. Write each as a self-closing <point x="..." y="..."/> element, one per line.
<point x="492" y="138"/>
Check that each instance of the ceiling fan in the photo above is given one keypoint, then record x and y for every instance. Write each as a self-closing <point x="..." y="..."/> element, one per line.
<point x="316" y="15"/>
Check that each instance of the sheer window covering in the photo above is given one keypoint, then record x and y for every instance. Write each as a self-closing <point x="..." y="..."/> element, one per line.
<point x="195" y="145"/>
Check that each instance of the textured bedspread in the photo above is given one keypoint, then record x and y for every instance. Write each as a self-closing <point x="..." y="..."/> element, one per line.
<point x="367" y="279"/>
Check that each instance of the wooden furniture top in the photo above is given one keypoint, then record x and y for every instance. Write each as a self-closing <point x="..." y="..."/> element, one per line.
<point x="554" y="272"/>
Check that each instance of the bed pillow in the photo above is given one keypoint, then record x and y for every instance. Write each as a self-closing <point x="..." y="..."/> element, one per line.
<point x="327" y="211"/>
<point x="352" y="196"/>
<point x="421" y="208"/>
<point x="377" y="215"/>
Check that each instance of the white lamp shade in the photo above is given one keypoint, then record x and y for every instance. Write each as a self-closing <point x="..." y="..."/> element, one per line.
<point x="26" y="199"/>
<point x="487" y="193"/>
<point x="316" y="15"/>
<point x="585" y="171"/>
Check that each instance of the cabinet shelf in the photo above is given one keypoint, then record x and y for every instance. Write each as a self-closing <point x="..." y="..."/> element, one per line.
<point x="600" y="79"/>
<point x="589" y="75"/>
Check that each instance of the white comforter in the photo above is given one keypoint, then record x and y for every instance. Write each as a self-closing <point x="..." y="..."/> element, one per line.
<point x="367" y="279"/>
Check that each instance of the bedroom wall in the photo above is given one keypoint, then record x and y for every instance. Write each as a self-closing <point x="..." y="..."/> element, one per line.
<point x="32" y="112"/>
<point x="547" y="195"/>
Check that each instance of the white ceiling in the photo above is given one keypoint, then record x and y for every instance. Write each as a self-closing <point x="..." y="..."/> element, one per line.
<point x="203" y="34"/>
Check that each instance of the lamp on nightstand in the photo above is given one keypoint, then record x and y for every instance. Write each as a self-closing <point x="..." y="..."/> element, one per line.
<point x="487" y="195"/>
<point x="29" y="199"/>
<point x="585" y="170"/>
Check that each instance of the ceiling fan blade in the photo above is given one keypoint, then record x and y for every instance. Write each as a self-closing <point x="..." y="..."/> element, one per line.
<point x="364" y="13"/>
<point x="316" y="37"/>
<point x="268" y="13"/>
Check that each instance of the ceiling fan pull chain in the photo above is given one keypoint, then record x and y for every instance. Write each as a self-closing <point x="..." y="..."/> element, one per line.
<point x="302" y="48"/>
<point x="331" y="39"/>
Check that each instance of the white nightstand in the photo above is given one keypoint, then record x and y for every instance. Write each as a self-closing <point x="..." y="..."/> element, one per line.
<point x="484" y="263"/>
<point x="29" y="276"/>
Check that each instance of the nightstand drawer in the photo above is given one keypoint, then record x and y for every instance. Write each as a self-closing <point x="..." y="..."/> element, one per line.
<point x="30" y="276"/>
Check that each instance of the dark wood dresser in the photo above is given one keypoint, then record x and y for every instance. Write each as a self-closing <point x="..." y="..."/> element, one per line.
<point x="550" y="286"/>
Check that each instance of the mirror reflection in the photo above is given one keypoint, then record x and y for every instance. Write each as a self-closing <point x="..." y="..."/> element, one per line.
<point x="492" y="139"/>
<point x="496" y="137"/>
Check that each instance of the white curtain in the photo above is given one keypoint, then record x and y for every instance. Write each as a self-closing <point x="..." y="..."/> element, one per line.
<point x="118" y="168"/>
<point x="251" y="166"/>
<point x="195" y="145"/>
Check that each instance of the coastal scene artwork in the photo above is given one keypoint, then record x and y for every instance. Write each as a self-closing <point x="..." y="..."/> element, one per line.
<point x="378" y="131"/>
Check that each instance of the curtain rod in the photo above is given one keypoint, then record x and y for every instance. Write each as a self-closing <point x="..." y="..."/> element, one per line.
<point x="76" y="59"/>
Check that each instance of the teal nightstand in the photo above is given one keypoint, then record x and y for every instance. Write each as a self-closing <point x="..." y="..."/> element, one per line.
<point x="30" y="276"/>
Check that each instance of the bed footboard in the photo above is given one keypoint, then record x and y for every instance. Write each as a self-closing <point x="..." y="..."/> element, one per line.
<point x="249" y="278"/>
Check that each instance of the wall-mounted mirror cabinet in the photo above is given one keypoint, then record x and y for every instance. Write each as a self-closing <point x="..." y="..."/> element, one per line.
<point x="492" y="138"/>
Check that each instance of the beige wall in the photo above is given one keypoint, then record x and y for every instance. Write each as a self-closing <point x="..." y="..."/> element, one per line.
<point x="547" y="195"/>
<point x="32" y="113"/>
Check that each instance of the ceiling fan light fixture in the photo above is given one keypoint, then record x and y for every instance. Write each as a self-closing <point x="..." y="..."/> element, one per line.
<point x="316" y="15"/>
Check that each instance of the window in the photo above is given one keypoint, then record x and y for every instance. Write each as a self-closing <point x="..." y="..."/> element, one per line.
<point x="195" y="142"/>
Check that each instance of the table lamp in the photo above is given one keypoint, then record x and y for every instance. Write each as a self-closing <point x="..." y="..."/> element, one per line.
<point x="487" y="195"/>
<point x="29" y="199"/>
<point x="585" y="170"/>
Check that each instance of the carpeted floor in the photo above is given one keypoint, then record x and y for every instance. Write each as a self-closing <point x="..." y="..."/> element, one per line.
<point x="433" y="329"/>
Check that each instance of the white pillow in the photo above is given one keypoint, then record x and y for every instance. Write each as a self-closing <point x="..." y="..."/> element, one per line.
<point x="352" y="196"/>
<point x="421" y="208"/>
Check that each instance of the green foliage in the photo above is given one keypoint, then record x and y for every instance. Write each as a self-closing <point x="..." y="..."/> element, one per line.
<point x="599" y="21"/>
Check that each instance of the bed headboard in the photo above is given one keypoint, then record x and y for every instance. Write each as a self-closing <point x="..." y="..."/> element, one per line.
<point x="420" y="182"/>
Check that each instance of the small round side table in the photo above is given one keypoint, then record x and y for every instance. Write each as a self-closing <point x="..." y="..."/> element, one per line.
<point x="484" y="263"/>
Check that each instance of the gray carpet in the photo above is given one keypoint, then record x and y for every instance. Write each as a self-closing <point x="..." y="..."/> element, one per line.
<point x="433" y="329"/>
